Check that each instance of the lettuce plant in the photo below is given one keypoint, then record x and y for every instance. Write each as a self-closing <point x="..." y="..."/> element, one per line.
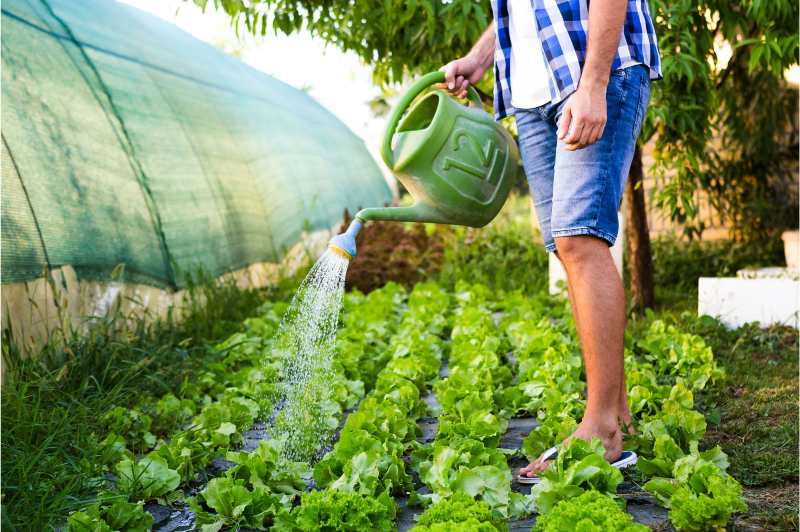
<point x="591" y="511"/>
<point x="146" y="479"/>
<point x="458" y="510"/>
<point x="579" y="466"/>
<point x="700" y="494"/>
<point x="111" y="516"/>
<point x="341" y="511"/>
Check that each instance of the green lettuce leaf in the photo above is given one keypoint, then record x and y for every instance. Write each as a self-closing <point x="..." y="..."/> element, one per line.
<point x="701" y="495"/>
<point x="579" y="467"/>
<point x="552" y="431"/>
<point x="339" y="511"/>
<point x="457" y="509"/>
<point x="236" y="506"/>
<point x="146" y="479"/>
<point x="111" y="516"/>
<point x="590" y="511"/>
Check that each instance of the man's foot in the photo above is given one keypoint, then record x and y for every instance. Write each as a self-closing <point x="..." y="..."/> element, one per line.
<point x="609" y="434"/>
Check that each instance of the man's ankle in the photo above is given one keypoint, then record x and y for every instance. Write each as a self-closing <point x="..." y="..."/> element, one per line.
<point x="602" y="422"/>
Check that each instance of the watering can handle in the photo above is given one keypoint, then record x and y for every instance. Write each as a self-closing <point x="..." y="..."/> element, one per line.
<point x="397" y="113"/>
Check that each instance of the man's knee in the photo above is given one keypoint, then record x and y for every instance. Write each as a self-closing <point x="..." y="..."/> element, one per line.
<point x="578" y="249"/>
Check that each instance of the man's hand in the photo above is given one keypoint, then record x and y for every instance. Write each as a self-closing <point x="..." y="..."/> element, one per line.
<point x="584" y="116"/>
<point x="461" y="73"/>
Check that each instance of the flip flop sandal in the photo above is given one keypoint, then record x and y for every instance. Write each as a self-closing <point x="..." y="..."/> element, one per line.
<point x="626" y="459"/>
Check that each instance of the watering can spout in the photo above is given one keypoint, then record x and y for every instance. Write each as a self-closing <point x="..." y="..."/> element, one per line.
<point x="415" y="213"/>
<point x="345" y="243"/>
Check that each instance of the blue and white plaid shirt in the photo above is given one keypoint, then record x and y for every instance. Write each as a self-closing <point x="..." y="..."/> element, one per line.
<point x="562" y="26"/>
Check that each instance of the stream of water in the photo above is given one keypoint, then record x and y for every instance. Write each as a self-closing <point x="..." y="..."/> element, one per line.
<point x="307" y="338"/>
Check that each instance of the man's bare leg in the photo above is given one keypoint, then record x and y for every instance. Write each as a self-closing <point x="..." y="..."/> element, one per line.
<point x="598" y="305"/>
<point x="624" y="409"/>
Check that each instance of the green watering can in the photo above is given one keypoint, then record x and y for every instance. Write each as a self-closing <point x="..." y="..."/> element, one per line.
<point x="456" y="162"/>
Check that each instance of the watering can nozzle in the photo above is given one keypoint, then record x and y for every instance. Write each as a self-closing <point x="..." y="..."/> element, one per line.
<point x="345" y="243"/>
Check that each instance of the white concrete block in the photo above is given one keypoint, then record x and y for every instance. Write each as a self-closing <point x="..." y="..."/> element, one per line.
<point x="555" y="269"/>
<point x="738" y="301"/>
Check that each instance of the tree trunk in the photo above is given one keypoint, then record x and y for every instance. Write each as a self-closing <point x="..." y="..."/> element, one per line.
<point x="637" y="235"/>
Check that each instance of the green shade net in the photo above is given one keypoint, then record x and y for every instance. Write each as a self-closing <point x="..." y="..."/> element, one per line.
<point x="127" y="141"/>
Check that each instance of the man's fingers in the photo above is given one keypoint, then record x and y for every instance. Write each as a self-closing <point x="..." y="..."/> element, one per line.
<point x="461" y="88"/>
<point x="587" y="136"/>
<point x="575" y="131"/>
<point x="566" y="118"/>
<point x="450" y="75"/>
<point x="600" y="129"/>
<point x="593" y="136"/>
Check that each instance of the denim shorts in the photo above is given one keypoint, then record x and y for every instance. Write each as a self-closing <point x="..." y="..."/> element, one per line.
<point x="579" y="192"/>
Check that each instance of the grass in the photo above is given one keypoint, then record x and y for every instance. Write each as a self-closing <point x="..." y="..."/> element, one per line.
<point x="755" y="414"/>
<point x="51" y="405"/>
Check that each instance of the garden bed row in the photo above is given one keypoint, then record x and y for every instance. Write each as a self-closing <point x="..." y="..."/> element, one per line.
<point x="442" y="444"/>
<point x="168" y="448"/>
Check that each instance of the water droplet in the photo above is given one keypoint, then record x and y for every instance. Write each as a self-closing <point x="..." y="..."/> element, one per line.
<point x="305" y="341"/>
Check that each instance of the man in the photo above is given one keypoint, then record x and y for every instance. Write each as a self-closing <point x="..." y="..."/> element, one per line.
<point x="576" y="75"/>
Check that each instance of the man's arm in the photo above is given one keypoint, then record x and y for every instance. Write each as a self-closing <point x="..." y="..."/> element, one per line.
<point x="461" y="73"/>
<point x="584" y="115"/>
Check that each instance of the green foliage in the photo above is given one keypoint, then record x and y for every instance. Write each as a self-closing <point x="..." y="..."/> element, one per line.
<point x="501" y="255"/>
<point x="453" y="462"/>
<point x="258" y="490"/>
<point x="367" y="459"/>
<point x="673" y="353"/>
<point x="236" y="505"/>
<point x="759" y="398"/>
<point x="54" y="444"/>
<point x="111" y="516"/>
<point x="341" y="511"/>
<point x="669" y="428"/>
<point x="184" y="453"/>
<point x="591" y="511"/>
<point x="552" y="431"/>
<point x="704" y="112"/>
<point x="395" y="36"/>
<point x="146" y="479"/>
<point x="169" y="412"/>
<point x="579" y="467"/>
<point x="361" y="344"/>
<point x="464" y="457"/>
<point x="700" y="495"/>
<point x="264" y="467"/>
<point x="134" y="424"/>
<point x="459" y="510"/>
<point x="677" y="264"/>
<point x="465" y="471"/>
<point x="470" y="524"/>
